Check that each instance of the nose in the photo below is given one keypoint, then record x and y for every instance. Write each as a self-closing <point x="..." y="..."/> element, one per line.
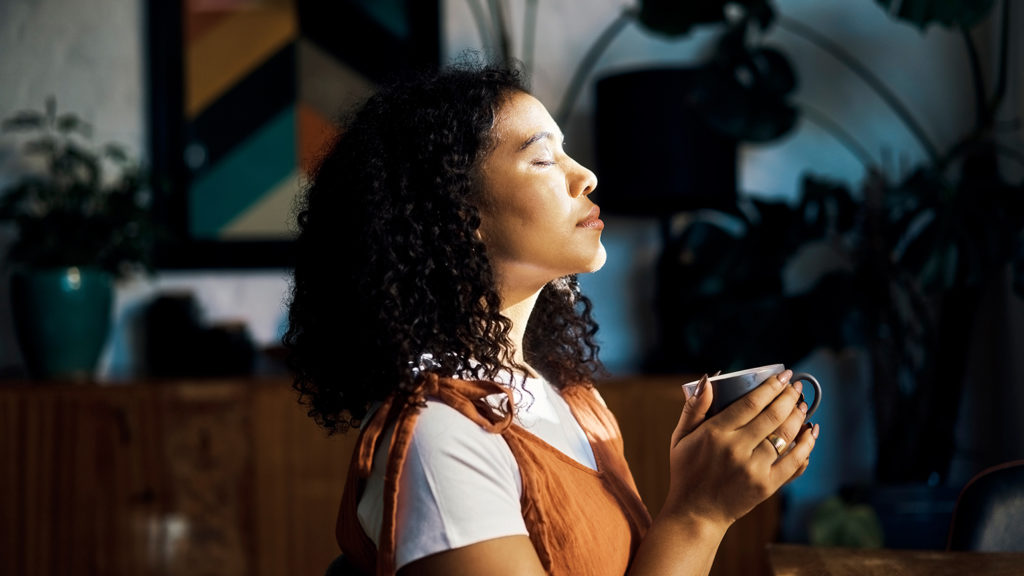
<point x="584" y="181"/>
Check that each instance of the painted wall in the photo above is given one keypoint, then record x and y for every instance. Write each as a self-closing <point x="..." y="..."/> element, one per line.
<point x="90" y="55"/>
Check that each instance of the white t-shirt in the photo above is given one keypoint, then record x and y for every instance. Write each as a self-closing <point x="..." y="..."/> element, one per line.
<point x="460" y="484"/>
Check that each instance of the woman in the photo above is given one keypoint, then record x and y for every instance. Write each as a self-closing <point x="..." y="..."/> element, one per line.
<point x="435" y="306"/>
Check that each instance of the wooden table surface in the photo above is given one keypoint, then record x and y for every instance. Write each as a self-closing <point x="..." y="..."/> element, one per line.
<point x="800" y="560"/>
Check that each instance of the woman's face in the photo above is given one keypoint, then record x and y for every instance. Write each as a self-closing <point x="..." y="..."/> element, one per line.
<point x="536" y="218"/>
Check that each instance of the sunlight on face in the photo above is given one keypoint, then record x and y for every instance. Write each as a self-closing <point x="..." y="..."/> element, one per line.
<point x="536" y="216"/>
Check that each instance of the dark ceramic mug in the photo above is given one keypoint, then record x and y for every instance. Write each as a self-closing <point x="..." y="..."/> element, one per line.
<point x="730" y="387"/>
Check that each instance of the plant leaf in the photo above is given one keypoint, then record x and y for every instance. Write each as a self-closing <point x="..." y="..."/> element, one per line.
<point x="70" y="123"/>
<point x="948" y="13"/>
<point x="116" y="152"/>
<point x="45" y="145"/>
<point x="65" y="213"/>
<point x="743" y="94"/>
<point x="774" y="71"/>
<point x="24" y="121"/>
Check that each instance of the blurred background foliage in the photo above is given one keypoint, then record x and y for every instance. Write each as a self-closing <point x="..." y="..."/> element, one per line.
<point x="897" y="266"/>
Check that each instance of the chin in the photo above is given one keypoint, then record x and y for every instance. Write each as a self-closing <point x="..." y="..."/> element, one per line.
<point x="599" y="259"/>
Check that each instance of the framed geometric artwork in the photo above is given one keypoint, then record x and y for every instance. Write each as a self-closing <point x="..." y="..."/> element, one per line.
<point x="243" y="95"/>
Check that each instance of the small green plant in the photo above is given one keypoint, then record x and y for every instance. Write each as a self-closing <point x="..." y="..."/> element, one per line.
<point x="840" y="521"/>
<point x="77" y="203"/>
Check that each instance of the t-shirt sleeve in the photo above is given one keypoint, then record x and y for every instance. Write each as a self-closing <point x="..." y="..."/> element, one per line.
<point x="460" y="485"/>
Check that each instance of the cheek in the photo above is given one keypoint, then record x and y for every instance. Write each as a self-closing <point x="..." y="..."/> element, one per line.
<point x="514" y="205"/>
<point x="509" y="212"/>
<point x="494" y="231"/>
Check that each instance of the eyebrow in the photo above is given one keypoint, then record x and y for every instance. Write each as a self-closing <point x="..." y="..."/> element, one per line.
<point x="538" y="136"/>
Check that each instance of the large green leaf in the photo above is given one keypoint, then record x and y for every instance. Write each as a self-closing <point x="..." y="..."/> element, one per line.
<point x="949" y="13"/>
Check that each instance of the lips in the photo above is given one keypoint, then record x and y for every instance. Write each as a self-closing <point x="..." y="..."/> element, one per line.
<point x="592" y="220"/>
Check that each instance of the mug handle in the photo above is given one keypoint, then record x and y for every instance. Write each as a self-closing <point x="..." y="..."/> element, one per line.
<point x="805" y="377"/>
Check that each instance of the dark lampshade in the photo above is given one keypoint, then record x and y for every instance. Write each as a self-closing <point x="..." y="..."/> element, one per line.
<point x="655" y="155"/>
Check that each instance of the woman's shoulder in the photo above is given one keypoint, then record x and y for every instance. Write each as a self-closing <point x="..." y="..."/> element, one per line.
<point x="449" y="450"/>
<point x="443" y="430"/>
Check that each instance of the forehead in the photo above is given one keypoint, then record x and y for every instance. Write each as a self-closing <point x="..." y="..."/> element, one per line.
<point x="519" y="117"/>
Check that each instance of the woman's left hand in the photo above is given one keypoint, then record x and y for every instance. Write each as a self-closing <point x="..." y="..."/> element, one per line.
<point x="724" y="466"/>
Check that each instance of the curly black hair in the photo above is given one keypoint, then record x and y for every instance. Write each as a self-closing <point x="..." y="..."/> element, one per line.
<point x="388" y="266"/>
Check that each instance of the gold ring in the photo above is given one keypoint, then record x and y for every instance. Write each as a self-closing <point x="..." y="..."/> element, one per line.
<point x="777" y="442"/>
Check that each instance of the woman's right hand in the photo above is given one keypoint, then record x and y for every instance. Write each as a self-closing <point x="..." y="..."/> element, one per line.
<point x="722" y="467"/>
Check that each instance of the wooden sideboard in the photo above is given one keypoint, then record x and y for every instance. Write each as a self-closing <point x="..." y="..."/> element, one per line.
<point x="230" y="477"/>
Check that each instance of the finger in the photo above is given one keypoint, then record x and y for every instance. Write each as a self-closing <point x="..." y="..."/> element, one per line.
<point x="803" y="465"/>
<point x="772" y="447"/>
<point x="788" y="430"/>
<point x="799" y="471"/>
<point x="694" y="410"/>
<point x="752" y="403"/>
<point x="798" y="455"/>
<point x="784" y="413"/>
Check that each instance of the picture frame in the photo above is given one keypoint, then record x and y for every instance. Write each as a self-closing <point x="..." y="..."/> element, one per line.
<point x="244" y="94"/>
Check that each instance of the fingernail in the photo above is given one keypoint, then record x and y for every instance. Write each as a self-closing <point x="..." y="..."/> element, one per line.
<point x="702" y="385"/>
<point x="784" y="376"/>
<point x="814" y="432"/>
<point x="798" y="385"/>
<point x="803" y="407"/>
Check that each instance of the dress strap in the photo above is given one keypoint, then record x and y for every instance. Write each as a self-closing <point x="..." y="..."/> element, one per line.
<point x="466" y="396"/>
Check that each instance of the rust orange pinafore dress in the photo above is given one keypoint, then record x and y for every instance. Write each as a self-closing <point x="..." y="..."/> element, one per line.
<point x="580" y="521"/>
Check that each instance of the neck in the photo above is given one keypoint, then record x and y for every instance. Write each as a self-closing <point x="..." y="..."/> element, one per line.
<point x="518" y="312"/>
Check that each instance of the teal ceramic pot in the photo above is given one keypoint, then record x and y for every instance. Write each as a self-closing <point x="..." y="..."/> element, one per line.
<point x="62" y="319"/>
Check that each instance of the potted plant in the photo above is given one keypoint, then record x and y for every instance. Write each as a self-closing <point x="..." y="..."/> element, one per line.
<point x="82" y="222"/>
